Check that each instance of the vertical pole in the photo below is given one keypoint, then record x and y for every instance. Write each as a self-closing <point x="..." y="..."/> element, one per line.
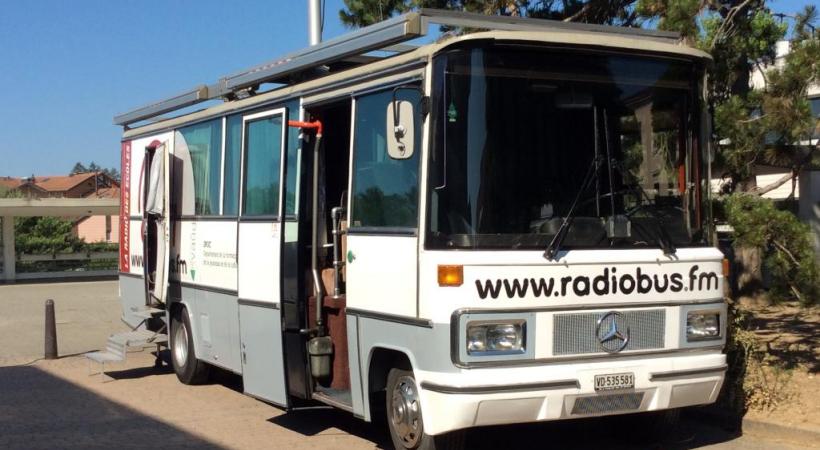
<point x="314" y="21"/>
<point x="51" y="331"/>
<point x="9" y="253"/>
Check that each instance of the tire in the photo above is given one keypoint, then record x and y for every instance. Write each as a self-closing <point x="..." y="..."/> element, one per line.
<point x="660" y="426"/>
<point x="404" y="417"/>
<point x="189" y="370"/>
<point x="664" y="421"/>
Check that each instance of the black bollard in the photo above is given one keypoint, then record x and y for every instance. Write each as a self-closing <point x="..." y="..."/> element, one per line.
<point x="51" y="331"/>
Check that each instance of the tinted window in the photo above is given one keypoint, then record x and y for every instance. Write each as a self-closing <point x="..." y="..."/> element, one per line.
<point x="233" y="144"/>
<point x="385" y="190"/>
<point x="263" y="149"/>
<point x="204" y="142"/>
<point x="518" y="130"/>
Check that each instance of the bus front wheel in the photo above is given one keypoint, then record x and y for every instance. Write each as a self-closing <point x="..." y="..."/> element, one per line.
<point x="189" y="370"/>
<point x="404" y="417"/>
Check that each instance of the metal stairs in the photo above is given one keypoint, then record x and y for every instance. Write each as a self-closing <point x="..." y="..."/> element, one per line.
<point x="116" y="349"/>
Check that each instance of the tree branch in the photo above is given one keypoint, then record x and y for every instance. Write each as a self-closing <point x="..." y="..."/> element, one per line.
<point x="786" y="251"/>
<point x="783" y="249"/>
<point x="753" y="119"/>
<point x="770" y="187"/>
<point x="580" y="13"/>
<point x="789" y="176"/>
<point x="728" y="22"/>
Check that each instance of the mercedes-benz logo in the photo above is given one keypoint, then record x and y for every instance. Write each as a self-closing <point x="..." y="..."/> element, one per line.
<point x="612" y="332"/>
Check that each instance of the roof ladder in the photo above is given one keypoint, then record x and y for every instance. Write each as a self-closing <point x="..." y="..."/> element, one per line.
<point x="383" y="36"/>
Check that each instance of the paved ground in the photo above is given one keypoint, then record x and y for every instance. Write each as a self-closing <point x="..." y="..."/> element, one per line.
<point x="56" y="404"/>
<point x="86" y="313"/>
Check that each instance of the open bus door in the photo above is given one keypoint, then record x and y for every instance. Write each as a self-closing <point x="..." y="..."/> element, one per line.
<point x="259" y="257"/>
<point x="156" y="223"/>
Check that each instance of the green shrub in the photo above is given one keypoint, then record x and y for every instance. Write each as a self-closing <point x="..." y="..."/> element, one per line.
<point x="44" y="235"/>
<point x="50" y="235"/>
<point x="786" y="243"/>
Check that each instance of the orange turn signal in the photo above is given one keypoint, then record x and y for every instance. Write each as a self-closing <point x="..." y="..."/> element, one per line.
<point x="726" y="268"/>
<point x="450" y="275"/>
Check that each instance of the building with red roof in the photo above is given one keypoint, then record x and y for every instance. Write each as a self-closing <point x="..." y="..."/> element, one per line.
<point x="78" y="185"/>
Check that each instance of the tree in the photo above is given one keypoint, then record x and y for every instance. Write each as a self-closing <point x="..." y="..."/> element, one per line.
<point x="771" y="125"/>
<point x="358" y="13"/>
<point x="44" y="235"/>
<point x="78" y="168"/>
<point x="786" y="242"/>
<point x="10" y="193"/>
<point x="112" y="172"/>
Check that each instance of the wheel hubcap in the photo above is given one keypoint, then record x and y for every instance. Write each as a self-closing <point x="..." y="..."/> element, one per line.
<point x="405" y="412"/>
<point x="181" y="345"/>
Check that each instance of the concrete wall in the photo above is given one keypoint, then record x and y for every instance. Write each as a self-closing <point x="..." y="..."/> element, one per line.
<point x="99" y="229"/>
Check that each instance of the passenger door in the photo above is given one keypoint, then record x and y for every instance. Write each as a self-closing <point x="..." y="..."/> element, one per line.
<point x="156" y="223"/>
<point x="382" y="243"/>
<point x="259" y="256"/>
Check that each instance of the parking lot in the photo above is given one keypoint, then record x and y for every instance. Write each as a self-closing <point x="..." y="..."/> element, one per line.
<point x="57" y="404"/>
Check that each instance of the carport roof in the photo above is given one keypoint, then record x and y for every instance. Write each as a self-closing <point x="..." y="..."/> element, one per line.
<point x="60" y="207"/>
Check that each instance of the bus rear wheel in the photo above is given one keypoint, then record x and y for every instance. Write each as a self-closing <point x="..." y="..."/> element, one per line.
<point x="404" y="417"/>
<point x="188" y="369"/>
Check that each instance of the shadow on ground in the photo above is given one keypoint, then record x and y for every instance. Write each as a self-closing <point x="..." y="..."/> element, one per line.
<point x="610" y="433"/>
<point x="225" y="378"/>
<point x="40" y="411"/>
<point x="791" y="336"/>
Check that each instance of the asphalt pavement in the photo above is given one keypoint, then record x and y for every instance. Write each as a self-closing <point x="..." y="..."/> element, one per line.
<point x="63" y="404"/>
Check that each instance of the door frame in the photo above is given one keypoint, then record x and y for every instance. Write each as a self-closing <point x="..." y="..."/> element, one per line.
<point x="283" y="111"/>
<point x="274" y="303"/>
<point x="162" y="150"/>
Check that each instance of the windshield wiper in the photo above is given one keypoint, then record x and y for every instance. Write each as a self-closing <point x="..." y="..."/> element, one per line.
<point x="555" y="244"/>
<point x="664" y="239"/>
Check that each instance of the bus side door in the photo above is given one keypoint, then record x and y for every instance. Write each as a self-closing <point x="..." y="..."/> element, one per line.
<point x="382" y="243"/>
<point x="156" y="222"/>
<point x="259" y="256"/>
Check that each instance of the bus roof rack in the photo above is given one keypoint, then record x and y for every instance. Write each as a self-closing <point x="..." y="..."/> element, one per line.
<point x="386" y="36"/>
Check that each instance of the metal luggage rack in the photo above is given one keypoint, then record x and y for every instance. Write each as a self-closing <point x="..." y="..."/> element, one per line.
<point x="352" y="49"/>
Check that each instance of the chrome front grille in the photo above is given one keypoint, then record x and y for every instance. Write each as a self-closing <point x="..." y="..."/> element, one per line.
<point x="575" y="333"/>
<point x="598" y="404"/>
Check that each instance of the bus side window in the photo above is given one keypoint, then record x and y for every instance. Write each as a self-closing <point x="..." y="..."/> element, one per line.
<point x="201" y="144"/>
<point x="233" y="142"/>
<point x="263" y="150"/>
<point x="385" y="190"/>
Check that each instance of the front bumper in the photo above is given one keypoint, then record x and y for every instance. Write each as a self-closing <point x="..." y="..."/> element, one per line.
<point x="479" y="397"/>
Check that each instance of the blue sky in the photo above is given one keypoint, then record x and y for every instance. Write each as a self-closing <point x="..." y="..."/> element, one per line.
<point x="69" y="67"/>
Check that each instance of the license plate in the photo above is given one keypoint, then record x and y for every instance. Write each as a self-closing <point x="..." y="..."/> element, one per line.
<point x="614" y="381"/>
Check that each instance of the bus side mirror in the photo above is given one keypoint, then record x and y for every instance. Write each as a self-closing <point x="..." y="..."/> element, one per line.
<point x="400" y="129"/>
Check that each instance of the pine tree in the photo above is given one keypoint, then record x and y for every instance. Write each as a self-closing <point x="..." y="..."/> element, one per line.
<point x="78" y="168"/>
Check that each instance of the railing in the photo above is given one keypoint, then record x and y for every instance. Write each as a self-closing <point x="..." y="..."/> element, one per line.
<point x="66" y="265"/>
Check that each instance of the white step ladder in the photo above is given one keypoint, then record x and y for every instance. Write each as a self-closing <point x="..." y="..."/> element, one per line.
<point x="116" y="349"/>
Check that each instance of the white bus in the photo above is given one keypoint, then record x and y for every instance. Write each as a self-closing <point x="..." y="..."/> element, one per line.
<point x="506" y="226"/>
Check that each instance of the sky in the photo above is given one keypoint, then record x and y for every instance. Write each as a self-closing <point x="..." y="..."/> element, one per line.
<point x="67" y="68"/>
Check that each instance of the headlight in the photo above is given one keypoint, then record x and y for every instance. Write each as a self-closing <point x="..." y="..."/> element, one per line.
<point x="493" y="338"/>
<point x="702" y="325"/>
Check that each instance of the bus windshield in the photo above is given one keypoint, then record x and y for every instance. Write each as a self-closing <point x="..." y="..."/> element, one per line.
<point x="519" y="131"/>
